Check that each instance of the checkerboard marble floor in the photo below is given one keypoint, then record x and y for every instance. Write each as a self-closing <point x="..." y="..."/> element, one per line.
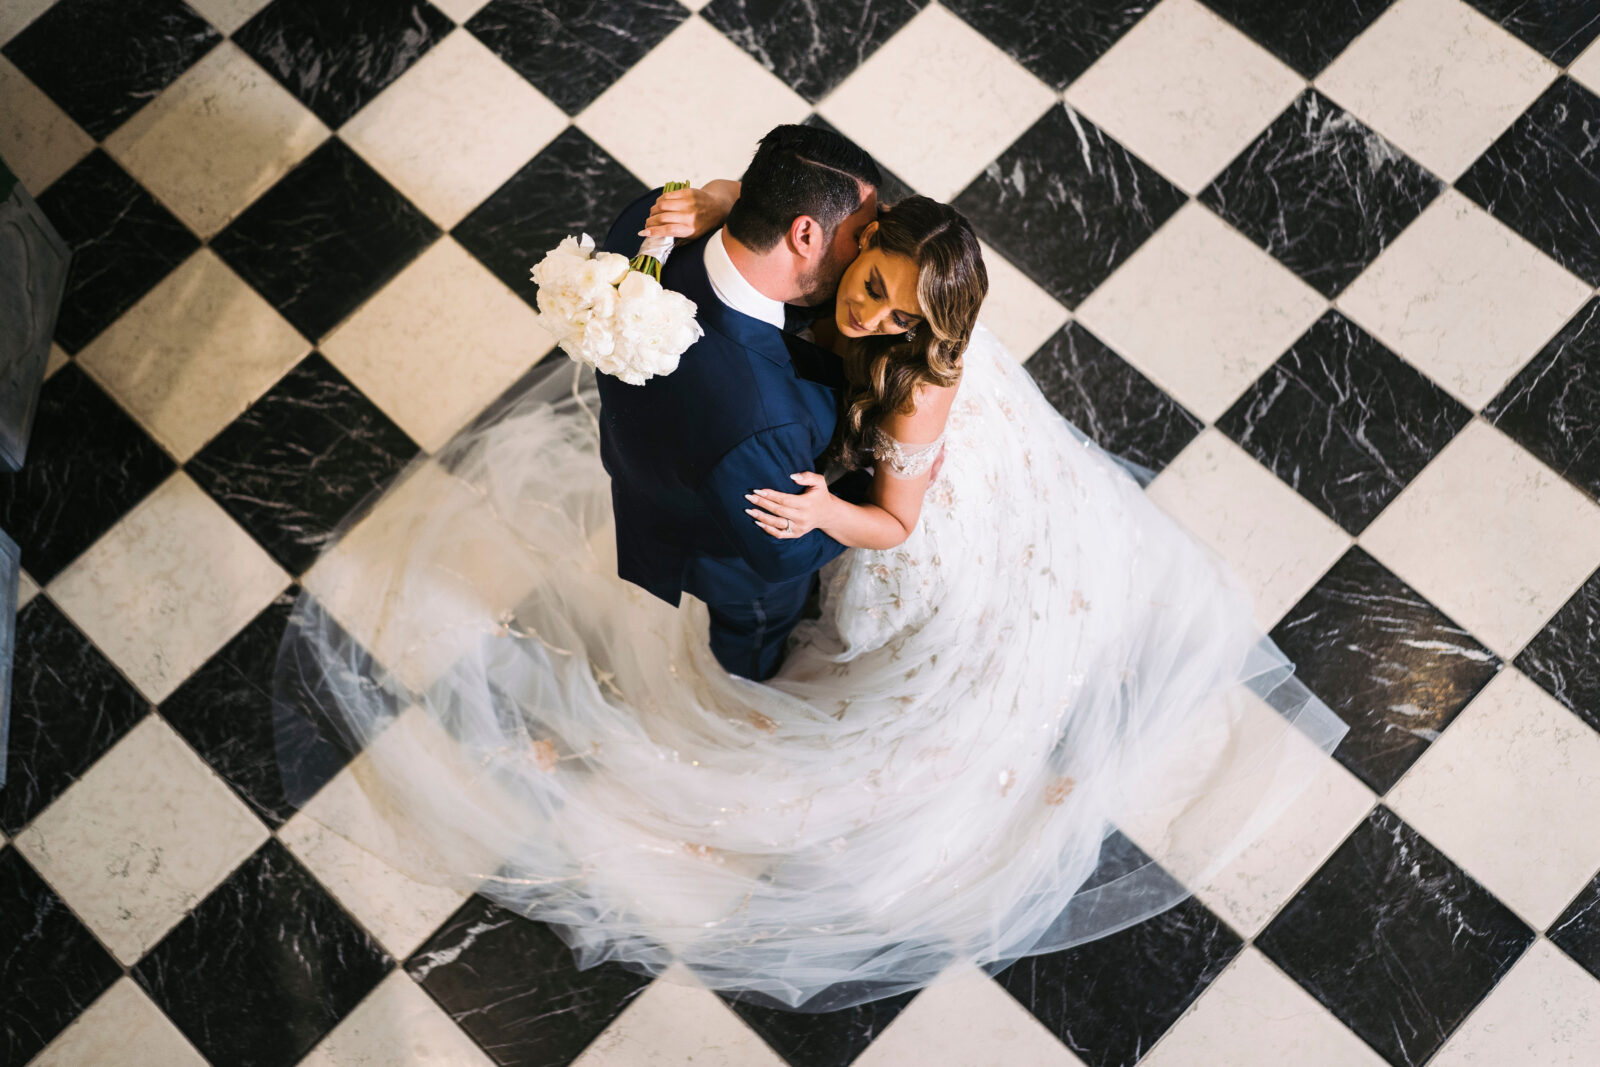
<point x="1329" y="268"/>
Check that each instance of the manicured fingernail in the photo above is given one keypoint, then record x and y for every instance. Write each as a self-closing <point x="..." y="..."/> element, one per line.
<point x="750" y="497"/>
<point x="752" y="512"/>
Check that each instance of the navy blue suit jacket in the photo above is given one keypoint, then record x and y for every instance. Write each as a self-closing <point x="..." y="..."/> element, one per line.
<point x="748" y="405"/>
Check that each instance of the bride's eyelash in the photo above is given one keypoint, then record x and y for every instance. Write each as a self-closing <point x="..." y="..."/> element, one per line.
<point x="899" y="321"/>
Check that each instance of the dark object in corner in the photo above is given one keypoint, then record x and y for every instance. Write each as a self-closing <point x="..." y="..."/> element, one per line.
<point x="33" y="278"/>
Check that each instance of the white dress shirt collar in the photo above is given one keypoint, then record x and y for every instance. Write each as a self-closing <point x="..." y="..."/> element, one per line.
<point x="734" y="290"/>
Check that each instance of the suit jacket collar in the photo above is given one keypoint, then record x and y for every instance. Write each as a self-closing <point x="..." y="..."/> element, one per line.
<point x="686" y="272"/>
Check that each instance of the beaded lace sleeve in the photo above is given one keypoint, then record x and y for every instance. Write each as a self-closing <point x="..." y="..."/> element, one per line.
<point x="903" y="460"/>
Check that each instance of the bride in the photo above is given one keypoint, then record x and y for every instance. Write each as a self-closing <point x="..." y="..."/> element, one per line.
<point x="1033" y="707"/>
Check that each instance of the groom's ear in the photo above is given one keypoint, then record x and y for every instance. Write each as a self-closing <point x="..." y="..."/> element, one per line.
<point x="806" y="238"/>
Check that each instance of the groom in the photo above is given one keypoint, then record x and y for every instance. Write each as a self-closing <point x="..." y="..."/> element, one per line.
<point x="750" y="402"/>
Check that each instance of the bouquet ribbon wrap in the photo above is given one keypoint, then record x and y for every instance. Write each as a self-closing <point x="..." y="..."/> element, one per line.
<point x="654" y="251"/>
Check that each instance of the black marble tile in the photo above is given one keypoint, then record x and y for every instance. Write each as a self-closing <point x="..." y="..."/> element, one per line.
<point x="1109" y="1000"/>
<point x="1394" y="939"/>
<point x="102" y="60"/>
<point x="68" y="706"/>
<point x="123" y="243"/>
<point x="1344" y="421"/>
<point x="1067" y="204"/>
<point x="1386" y="661"/>
<point x="512" y="985"/>
<point x="225" y="710"/>
<point x="300" y="460"/>
<point x="337" y="57"/>
<point x="1103" y="395"/>
<point x="88" y="464"/>
<point x="1577" y="931"/>
<point x="1552" y="406"/>
<point x="811" y="47"/>
<point x="1306" y="34"/>
<point x="893" y="188"/>
<point x="1564" y="656"/>
<point x="1056" y="41"/>
<point x="325" y="238"/>
<point x="51" y="966"/>
<point x="1321" y="192"/>
<point x="818" y="1038"/>
<point x="573" y="186"/>
<point x="1542" y="177"/>
<point x="1561" y="29"/>
<point x="263" y="967"/>
<point x="574" y="50"/>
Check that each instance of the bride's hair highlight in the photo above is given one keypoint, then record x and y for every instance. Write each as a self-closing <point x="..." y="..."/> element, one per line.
<point x="884" y="372"/>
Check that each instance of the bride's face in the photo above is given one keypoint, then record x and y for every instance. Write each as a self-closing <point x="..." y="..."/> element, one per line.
<point x="878" y="293"/>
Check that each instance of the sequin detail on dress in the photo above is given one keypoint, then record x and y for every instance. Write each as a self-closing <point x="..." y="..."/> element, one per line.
<point x="903" y="460"/>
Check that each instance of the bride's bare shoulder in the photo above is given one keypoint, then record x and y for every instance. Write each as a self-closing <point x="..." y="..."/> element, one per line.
<point x="930" y="407"/>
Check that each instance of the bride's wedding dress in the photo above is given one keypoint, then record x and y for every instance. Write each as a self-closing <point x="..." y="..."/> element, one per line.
<point x="1006" y="736"/>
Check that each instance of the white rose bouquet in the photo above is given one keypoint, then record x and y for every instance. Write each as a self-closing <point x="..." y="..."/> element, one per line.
<point x="611" y="312"/>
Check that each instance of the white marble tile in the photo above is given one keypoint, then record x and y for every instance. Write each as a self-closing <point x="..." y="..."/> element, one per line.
<point x="1252" y="888"/>
<point x="1201" y="311"/>
<point x="343" y="836"/>
<point x="438" y="343"/>
<point x="397" y="1025"/>
<point x="26" y="590"/>
<point x="1020" y="313"/>
<point x="453" y="128"/>
<point x="675" y="1023"/>
<point x="193" y="354"/>
<point x="1586" y="68"/>
<point x="937" y="103"/>
<point x="1463" y="298"/>
<point x="216" y="139"/>
<point x="665" y="120"/>
<point x="228" y="15"/>
<point x="962" y="1019"/>
<point x="15" y="15"/>
<point x="1545" y="1011"/>
<point x="1185" y="91"/>
<point x="1503" y="792"/>
<point x="1491" y="536"/>
<point x="37" y="139"/>
<point x="55" y="360"/>
<point x="1247" y="849"/>
<point x="481" y="580"/>
<point x="168" y="586"/>
<point x="122" y="1027"/>
<point x="1254" y="1015"/>
<point x="141" y="838"/>
<point x="1275" y="539"/>
<point x="1438" y="79"/>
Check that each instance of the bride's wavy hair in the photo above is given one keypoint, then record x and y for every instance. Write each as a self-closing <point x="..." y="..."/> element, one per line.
<point x="884" y="372"/>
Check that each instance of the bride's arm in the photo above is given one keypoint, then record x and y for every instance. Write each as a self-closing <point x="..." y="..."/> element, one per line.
<point x="896" y="499"/>
<point x="690" y="213"/>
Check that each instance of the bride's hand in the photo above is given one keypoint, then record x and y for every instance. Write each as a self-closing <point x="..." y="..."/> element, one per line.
<point x="689" y="213"/>
<point x="790" y="515"/>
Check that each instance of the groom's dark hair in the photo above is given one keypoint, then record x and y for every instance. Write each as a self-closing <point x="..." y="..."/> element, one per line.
<point x="799" y="170"/>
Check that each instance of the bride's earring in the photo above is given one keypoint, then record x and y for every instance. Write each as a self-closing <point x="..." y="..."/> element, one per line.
<point x="911" y="334"/>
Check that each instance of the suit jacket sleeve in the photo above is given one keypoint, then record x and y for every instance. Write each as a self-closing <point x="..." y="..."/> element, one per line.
<point x="764" y="461"/>
<point x="623" y="237"/>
